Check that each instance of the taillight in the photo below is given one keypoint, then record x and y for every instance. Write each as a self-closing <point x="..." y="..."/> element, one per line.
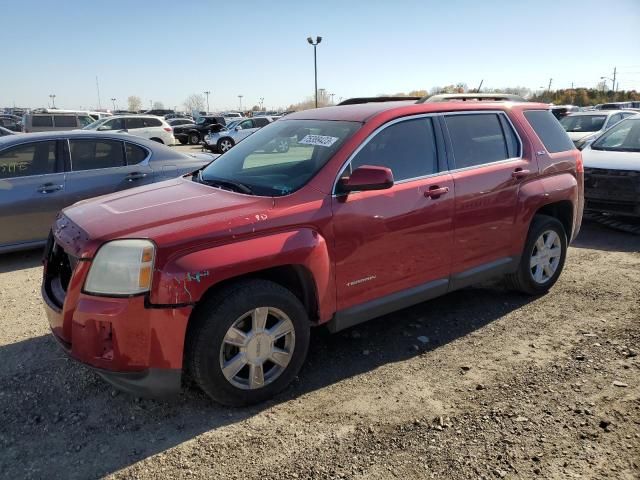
<point x="579" y="163"/>
<point x="168" y="129"/>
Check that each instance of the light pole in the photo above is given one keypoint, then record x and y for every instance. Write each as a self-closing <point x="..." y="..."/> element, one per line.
<point x="207" y="94"/>
<point x="315" y="63"/>
<point x="53" y="100"/>
<point x="332" y="95"/>
<point x="240" y="98"/>
<point x="613" y="83"/>
<point x="113" y="100"/>
<point x="261" y="103"/>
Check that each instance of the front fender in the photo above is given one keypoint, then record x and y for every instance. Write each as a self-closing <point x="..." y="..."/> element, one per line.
<point x="185" y="279"/>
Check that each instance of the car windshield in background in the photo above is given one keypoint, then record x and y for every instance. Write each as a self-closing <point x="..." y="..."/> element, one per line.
<point x="85" y="120"/>
<point x="624" y="137"/>
<point x="583" y="123"/>
<point x="279" y="158"/>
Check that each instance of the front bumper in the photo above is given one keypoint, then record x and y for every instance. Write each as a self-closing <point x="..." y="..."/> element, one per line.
<point x="615" y="192"/>
<point x="136" y="347"/>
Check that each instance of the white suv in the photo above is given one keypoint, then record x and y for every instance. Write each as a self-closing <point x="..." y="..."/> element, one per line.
<point x="146" y="126"/>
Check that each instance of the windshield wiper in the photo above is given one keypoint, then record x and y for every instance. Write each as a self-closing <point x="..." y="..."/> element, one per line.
<point x="237" y="186"/>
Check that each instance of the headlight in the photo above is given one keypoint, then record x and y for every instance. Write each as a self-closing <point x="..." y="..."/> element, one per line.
<point x="122" y="267"/>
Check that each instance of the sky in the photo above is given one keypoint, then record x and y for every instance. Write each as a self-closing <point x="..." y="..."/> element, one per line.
<point x="167" y="50"/>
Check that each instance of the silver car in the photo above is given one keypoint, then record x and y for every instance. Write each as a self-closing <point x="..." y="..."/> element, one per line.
<point x="41" y="173"/>
<point x="224" y="139"/>
<point x="584" y="127"/>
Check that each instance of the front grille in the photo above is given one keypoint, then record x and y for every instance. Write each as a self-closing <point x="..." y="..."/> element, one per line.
<point x="611" y="207"/>
<point x="612" y="185"/>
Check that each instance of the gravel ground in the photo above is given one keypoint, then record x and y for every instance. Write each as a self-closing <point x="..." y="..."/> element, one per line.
<point x="481" y="383"/>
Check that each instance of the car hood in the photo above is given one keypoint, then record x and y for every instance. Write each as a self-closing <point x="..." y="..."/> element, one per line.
<point x="611" y="159"/>
<point x="168" y="212"/>
<point x="574" y="136"/>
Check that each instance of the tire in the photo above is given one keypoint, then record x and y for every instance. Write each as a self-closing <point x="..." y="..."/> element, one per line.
<point x="231" y="314"/>
<point x="157" y="140"/>
<point x="225" y="144"/>
<point x="194" y="139"/>
<point x="282" y="145"/>
<point x="538" y="279"/>
<point x="183" y="141"/>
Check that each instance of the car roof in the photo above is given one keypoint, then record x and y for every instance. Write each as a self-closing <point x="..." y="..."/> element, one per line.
<point x="365" y="111"/>
<point x="599" y="112"/>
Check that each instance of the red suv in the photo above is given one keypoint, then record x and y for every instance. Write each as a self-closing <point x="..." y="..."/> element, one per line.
<point x="374" y="207"/>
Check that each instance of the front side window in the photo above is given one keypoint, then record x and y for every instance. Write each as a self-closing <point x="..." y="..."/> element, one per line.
<point x="613" y="119"/>
<point x="279" y="158"/>
<point x="66" y="121"/>
<point x="38" y="158"/>
<point x="408" y="148"/>
<point x="42" y="121"/>
<point x="583" y="123"/>
<point x="245" y="125"/>
<point x="476" y="139"/>
<point x="94" y="154"/>
<point x="623" y="137"/>
<point x="261" y="122"/>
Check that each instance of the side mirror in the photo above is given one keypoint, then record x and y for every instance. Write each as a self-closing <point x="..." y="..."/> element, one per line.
<point x="123" y="130"/>
<point x="102" y="128"/>
<point x="367" y="177"/>
<point x="237" y="129"/>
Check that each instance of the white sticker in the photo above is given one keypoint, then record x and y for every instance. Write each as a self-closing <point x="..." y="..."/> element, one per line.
<point x="319" y="140"/>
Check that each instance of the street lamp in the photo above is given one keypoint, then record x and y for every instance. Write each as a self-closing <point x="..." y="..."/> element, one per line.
<point x="261" y="103"/>
<point x="207" y="94"/>
<point x="113" y="100"/>
<point x="613" y="83"/>
<point x="240" y="98"/>
<point x="53" y="100"/>
<point x="315" y="62"/>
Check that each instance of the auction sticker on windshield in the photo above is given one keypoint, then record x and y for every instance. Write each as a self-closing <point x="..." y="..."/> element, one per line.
<point x="319" y="140"/>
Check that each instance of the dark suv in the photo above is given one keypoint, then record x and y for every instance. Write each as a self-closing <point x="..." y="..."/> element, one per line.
<point x="194" y="133"/>
<point x="374" y="207"/>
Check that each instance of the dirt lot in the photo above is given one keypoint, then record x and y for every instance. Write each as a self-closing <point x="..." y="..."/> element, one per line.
<point x="479" y="384"/>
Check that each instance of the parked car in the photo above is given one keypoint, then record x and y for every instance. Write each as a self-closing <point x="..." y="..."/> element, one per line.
<point x="195" y="132"/>
<point x="160" y="112"/>
<point x="5" y="132"/>
<point x="55" y="120"/>
<point x="99" y="115"/>
<point x="224" y="271"/>
<point x="41" y="173"/>
<point x="561" y="111"/>
<point x="11" y="122"/>
<point x="615" y="106"/>
<point x="584" y="127"/>
<point x="145" y="126"/>
<point x="223" y="139"/>
<point x="612" y="170"/>
<point x="174" y="122"/>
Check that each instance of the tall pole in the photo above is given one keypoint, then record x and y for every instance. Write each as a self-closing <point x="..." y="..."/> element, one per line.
<point x="614" y="79"/>
<point x="113" y="100"/>
<point x="240" y="103"/>
<point x="98" y="89"/>
<point x="550" y="80"/>
<point x="315" y="63"/>
<point x="261" y="103"/>
<point x="207" y="94"/>
<point x="53" y="100"/>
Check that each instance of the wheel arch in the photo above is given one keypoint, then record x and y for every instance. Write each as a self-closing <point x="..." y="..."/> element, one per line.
<point x="562" y="211"/>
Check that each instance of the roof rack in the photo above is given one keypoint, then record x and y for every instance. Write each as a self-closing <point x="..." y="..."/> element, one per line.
<point x="479" y="97"/>
<point x="359" y="100"/>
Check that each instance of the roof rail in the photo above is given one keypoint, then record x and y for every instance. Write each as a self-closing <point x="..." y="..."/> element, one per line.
<point x="479" y="97"/>
<point x="359" y="100"/>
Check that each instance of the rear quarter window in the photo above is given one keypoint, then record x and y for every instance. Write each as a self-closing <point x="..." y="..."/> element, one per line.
<point x="65" y="120"/>
<point x="42" y="121"/>
<point x="152" y="122"/>
<point x="549" y="130"/>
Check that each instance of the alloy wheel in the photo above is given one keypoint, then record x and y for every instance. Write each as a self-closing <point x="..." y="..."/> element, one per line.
<point x="257" y="348"/>
<point x="545" y="256"/>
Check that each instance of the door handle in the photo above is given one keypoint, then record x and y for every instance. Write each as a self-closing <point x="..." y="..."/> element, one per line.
<point x="435" y="191"/>
<point x="136" y="176"/>
<point x="49" y="188"/>
<point x="519" y="173"/>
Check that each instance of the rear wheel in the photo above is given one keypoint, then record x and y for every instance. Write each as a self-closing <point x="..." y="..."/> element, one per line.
<point x="543" y="257"/>
<point x="194" y="139"/>
<point x="183" y="141"/>
<point x="248" y="342"/>
<point x="225" y="144"/>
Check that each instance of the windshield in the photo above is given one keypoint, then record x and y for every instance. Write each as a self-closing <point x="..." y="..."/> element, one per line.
<point x="201" y="120"/>
<point x="95" y="125"/>
<point x="624" y="137"/>
<point x="281" y="157"/>
<point x="583" y="123"/>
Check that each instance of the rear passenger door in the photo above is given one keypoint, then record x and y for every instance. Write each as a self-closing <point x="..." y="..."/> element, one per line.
<point x="244" y="129"/>
<point x="136" y="126"/>
<point x="485" y="157"/>
<point x="32" y="191"/>
<point x="99" y="167"/>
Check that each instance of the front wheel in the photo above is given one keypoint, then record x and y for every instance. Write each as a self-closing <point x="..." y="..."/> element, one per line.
<point x="194" y="139"/>
<point x="225" y="144"/>
<point x="543" y="257"/>
<point x="248" y="342"/>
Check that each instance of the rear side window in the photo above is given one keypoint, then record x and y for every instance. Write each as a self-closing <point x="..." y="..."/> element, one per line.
<point x="549" y="130"/>
<point x="42" y="121"/>
<point x="134" y="123"/>
<point x="135" y="154"/>
<point x="477" y="139"/>
<point x="38" y="158"/>
<point x="261" y="122"/>
<point x="408" y="148"/>
<point x="152" y="122"/>
<point x="65" y="120"/>
<point x="94" y="154"/>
